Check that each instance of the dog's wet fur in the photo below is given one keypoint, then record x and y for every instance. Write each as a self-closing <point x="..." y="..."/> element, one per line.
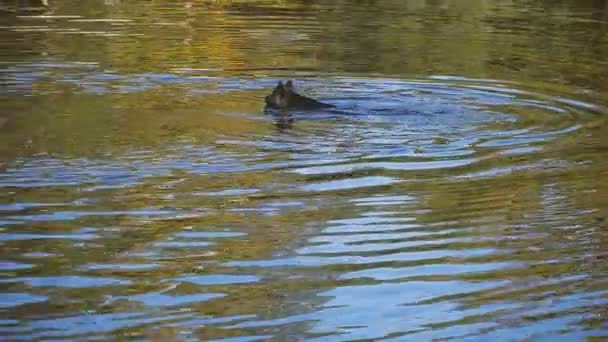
<point x="285" y="97"/>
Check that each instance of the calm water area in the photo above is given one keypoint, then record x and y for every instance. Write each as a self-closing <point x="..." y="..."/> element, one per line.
<point x="459" y="191"/>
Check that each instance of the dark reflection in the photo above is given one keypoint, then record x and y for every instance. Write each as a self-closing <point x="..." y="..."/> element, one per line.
<point x="283" y="121"/>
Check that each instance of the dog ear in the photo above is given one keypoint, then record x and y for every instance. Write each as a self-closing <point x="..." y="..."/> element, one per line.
<point x="289" y="85"/>
<point x="280" y="85"/>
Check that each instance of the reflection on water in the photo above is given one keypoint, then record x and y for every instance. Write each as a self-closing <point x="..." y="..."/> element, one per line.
<point x="455" y="192"/>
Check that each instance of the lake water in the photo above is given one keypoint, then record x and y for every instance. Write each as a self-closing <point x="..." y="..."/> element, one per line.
<point x="458" y="192"/>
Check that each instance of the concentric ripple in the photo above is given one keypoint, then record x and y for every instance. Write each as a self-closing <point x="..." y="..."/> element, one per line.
<point x="423" y="209"/>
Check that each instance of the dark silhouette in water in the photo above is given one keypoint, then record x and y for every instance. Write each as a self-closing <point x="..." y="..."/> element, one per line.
<point x="283" y="122"/>
<point x="285" y="97"/>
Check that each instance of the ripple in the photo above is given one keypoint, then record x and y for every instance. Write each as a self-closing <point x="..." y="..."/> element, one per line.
<point x="14" y="266"/>
<point x="67" y="281"/>
<point x="386" y="273"/>
<point x="405" y="166"/>
<point x="100" y="20"/>
<point x="164" y="300"/>
<point x="209" y="235"/>
<point x="73" y="215"/>
<point x="183" y="244"/>
<point x="17" y="299"/>
<point x="48" y="16"/>
<point x="121" y="267"/>
<point x="243" y="339"/>
<point x="353" y="183"/>
<point x="218" y="279"/>
<point x="383" y="201"/>
<point x="360" y="260"/>
<point x="96" y="323"/>
<point x="29" y="237"/>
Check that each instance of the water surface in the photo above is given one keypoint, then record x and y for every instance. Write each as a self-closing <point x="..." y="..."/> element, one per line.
<point x="457" y="192"/>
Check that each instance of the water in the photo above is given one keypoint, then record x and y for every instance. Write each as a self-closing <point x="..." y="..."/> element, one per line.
<point x="457" y="192"/>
